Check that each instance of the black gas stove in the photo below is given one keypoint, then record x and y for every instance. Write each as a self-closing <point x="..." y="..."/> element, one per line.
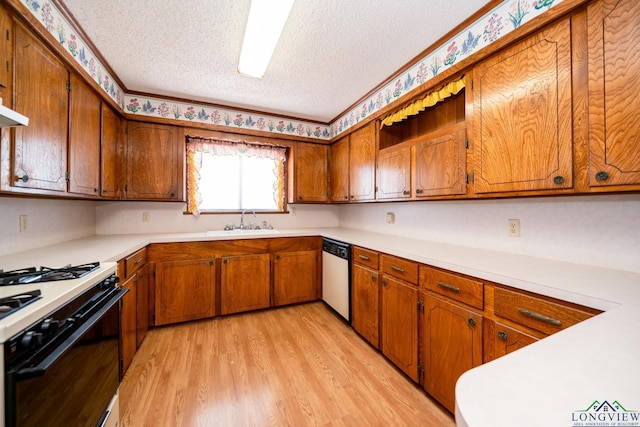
<point x="29" y="275"/>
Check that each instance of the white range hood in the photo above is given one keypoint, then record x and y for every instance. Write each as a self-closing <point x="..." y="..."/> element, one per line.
<point x="9" y="118"/>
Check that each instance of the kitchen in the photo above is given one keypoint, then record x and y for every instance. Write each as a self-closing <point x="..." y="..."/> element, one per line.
<point x="598" y="230"/>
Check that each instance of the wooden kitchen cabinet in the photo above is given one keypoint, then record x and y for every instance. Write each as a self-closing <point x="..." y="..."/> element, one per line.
<point x="128" y="324"/>
<point x="142" y="304"/>
<point x="245" y="283"/>
<point x="501" y="340"/>
<point x="362" y="163"/>
<point x="399" y="324"/>
<point x="6" y="57"/>
<point x="440" y="163"/>
<point x="339" y="170"/>
<point x="365" y="303"/>
<point x="394" y="173"/>
<point x="184" y="290"/>
<point x="311" y="168"/>
<point x="451" y="345"/>
<point x="295" y="277"/>
<point x="155" y="162"/>
<point x="111" y="146"/>
<point x="522" y="115"/>
<point x="39" y="152"/>
<point x="85" y="109"/>
<point x="614" y="93"/>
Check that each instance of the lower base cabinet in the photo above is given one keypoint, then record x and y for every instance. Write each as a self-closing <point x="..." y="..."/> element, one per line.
<point x="502" y="340"/>
<point x="295" y="277"/>
<point x="365" y="303"/>
<point x="399" y="325"/>
<point x="128" y="325"/>
<point x="245" y="283"/>
<point x="184" y="290"/>
<point x="451" y="345"/>
<point x="142" y="304"/>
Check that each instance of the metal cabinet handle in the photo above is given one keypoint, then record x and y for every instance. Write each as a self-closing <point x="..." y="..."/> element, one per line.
<point x="373" y="278"/>
<point x="540" y="317"/>
<point x="138" y="261"/>
<point x="558" y="180"/>
<point x="602" y="176"/>
<point x="225" y="261"/>
<point x="503" y="335"/>
<point x="364" y="257"/>
<point x="23" y="178"/>
<point x="448" y="286"/>
<point x="384" y="282"/>
<point x="406" y="192"/>
<point x="96" y="190"/>
<point x="471" y="322"/>
<point x="398" y="269"/>
<point x="419" y="191"/>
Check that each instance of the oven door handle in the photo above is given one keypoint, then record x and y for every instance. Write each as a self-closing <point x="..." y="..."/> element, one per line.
<point x="65" y="345"/>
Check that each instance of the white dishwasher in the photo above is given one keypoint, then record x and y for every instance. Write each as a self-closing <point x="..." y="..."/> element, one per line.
<point x="336" y="276"/>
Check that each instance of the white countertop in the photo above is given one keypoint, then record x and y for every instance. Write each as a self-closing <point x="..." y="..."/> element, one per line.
<point x="540" y="385"/>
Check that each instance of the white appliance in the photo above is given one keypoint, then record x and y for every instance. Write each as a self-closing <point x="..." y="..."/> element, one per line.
<point x="336" y="276"/>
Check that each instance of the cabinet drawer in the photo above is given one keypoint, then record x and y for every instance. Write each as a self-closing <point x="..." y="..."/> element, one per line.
<point x="365" y="257"/>
<point x="134" y="262"/>
<point x="400" y="268"/>
<point x="457" y="287"/>
<point x="537" y="313"/>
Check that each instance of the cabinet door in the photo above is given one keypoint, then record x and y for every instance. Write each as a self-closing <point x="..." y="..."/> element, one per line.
<point x="295" y="277"/>
<point x="184" y="290"/>
<point x="84" y="139"/>
<point x="311" y="169"/>
<point x="362" y="163"/>
<point x="522" y="117"/>
<point x="503" y="340"/>
<point x="452" y="344"/>
<point x="6" y="57"/>
<point x="614" y="92"/>
<point x="111" y="149"/>
<point x="40" y="150"/>
<point x="245" y="283"/>
<point x="155" y="159"/>
<point x="339" y="170"/>
<point x="399" y="325"/>
<point x="365" y="303"/>
<point x="394" y="178"/>
<point x="128" y="327"/>
<point x="440" y="164"/>
<point x="142" y="304"/>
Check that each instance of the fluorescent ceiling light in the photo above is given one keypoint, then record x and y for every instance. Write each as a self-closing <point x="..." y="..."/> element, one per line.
<point x="264" y="26"/>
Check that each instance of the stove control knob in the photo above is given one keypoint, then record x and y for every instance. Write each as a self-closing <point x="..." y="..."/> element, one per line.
<point x="49" y="326"/>
<point x="31" y="340"/>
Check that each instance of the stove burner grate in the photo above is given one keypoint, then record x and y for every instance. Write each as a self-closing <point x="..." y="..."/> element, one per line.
<point x="25" y="276"/>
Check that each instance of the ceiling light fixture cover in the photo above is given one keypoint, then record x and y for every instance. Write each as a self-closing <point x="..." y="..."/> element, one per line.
<point x="264" y="26"/>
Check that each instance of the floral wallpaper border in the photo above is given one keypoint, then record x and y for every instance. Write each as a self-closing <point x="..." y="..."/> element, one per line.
<point x="503" y="19"/>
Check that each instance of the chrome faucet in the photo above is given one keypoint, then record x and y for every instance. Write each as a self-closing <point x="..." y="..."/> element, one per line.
<point x="242" y="227"/>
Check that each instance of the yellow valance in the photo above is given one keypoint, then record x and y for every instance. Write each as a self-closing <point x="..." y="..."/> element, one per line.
<point x="429" y="101"/>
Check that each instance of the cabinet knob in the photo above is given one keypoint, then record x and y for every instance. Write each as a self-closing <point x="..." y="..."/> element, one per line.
<point x="346" y="197"/>
<point x="384" y="282"/>
<point x="300" y="197"/>
<point x="225" y="261"/>
<point x="558" y="179"/>
<point x="502" y="335"/>
<point x="105" y="191"/>
<point x="23" y="178"/>
<point x="471" y="322"/>
<point x="96" y="190"/>
<point x="406" y="192"/>
<point x="277" y="256"/>
<point x="602" y="176"/>
<point x="373" y="278"/>
<point x="419" y="191"/>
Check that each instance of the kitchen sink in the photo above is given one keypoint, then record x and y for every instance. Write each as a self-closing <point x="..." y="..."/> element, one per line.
<point x="240" y="232"/>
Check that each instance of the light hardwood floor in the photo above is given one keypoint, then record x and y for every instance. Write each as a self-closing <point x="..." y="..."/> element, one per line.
<point x="293" y="366"/>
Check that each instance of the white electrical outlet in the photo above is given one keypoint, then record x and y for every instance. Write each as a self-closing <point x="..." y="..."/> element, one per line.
<point x="391" y="218"/>
<point x="514" y="228"/>
<point x="146" y="217"/>
<point x="23" y="223"/>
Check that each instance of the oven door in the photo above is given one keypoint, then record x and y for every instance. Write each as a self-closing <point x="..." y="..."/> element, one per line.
<point x="75" y="382"/>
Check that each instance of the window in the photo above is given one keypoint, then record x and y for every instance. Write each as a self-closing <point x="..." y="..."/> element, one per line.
<point x="231" y="176"/>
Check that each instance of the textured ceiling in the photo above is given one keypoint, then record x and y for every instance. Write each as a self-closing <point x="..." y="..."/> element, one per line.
<point x="332" y="52"/>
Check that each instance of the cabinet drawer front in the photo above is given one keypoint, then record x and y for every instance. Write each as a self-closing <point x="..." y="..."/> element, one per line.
<point x="459" y="288"/>
<point x="401" y="268"/>
<point x="134" y="262"/>
<point x="365" y="257"/>
<point x="536" y="313"/>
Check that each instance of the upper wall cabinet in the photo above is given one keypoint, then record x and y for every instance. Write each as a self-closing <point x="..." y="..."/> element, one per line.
<point x="522" y="115"/>
<point x="614" y="92"/>
<point x="111" y="145"/>
<point x="339" y="170"/>
<point x="310" y="180"/>
<point x="362" y="163"/>
<point x="155" y="160"/>
<point x="40" y="150"/>
<point x="85" y="109"/>
<point x="6" y="56"/>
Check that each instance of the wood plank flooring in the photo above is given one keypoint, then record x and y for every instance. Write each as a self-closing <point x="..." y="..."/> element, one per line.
<point x="293" y="366"/>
